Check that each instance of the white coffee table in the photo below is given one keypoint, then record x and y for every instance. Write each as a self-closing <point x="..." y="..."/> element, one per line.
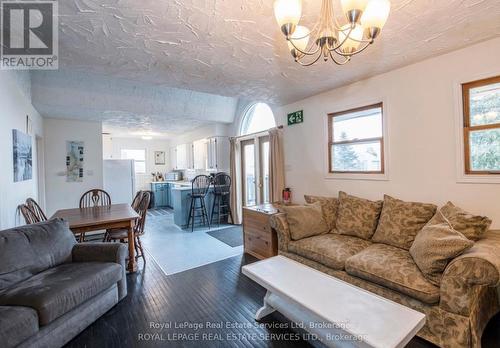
<point x="339" y="313"/>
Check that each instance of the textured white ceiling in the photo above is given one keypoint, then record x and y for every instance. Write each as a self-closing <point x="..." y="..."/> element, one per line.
<point x="134" y="64"/>
<point x="234" y="47"/>
<point x="127" y="106"/>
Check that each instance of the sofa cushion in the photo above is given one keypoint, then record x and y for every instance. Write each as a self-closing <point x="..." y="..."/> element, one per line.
<point x="393" y="268"/>
<point x="305" y="221"/>
<point x="434" y="247"/>
<point x="16" y="325"/>
<point x="357" y="217"/>
<point x="471" y="226"/>
<point x="30" y="249"/>
<point x="401" y="221"/>
<point x="329" y="205"/>
<point x="58" y="290"/>
<point x="331" y="250"/>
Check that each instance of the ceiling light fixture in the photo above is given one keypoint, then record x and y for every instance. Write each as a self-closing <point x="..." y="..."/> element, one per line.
<point x="147" y="137"/>
<point x="329" y="39"/>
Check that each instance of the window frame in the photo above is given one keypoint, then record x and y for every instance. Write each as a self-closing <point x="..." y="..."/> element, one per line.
<point x="467" y="128"/>
<point x="331" y="143"/>
<point x="247" y="117"/>
<point x="145" y="160"/>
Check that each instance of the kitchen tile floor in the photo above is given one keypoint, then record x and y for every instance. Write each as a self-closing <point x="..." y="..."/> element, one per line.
<point x="176" y="250"/>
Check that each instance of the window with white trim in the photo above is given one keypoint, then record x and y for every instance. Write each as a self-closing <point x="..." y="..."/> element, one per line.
<point x="139" y="157"/>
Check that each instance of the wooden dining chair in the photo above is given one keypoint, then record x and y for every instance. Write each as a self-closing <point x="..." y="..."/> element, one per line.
<point x="137" y="200"/>
<point x="36" y="209"/>
<point x="95" y="198"/>
<point x="122" y="235"/>
<point x="135" y="203"/>
<point x="29" y="215"/>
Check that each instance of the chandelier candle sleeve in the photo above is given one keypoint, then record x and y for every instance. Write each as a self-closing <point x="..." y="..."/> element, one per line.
<point x="353" y="9"/>
<point x="376" y="14"/>
<point x="329" y="39"/>
<point x="288" y="13"/>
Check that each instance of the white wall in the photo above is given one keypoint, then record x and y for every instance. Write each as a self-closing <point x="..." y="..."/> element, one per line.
<point x="422" y="102"/>
<point x="15" y="104"/>
<point x="59" y="193"/>
<point x="114" y="145"/>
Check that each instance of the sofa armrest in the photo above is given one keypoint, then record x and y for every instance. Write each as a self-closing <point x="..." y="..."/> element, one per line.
<point x="464" y="276"/>
<point x="104" y="252"/>
<point x="280" y="224"/>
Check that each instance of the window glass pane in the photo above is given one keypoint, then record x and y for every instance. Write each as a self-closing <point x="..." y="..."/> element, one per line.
<point x="358" y="125"/>
<point x="357" y="157"/>
<point x="140" y="167"/>
<point x="485" y="150"/>
<point x="249" y="174"/>
<point x="265" y="170"/>
<point x="258" y="118"/>
<point x="139" y="157"/>
<point x="485" y="105"/>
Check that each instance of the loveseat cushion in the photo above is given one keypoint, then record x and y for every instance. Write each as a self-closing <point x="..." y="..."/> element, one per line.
<point x="357" y="217"/>
<point x="305" y="221"/>
<point x="58" y="290"/>
<point x="400" y="221"/>
<point x="30" y="249"/>
<point x="393" y="268"/>
<point x="16" y="325"/>
<point x="331" y="250"/>
<point x="329" y="206"/>
<point x="471" y="226"/>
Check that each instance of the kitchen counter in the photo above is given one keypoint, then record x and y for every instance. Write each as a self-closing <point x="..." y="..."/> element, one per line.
<point x="177" y="183"/>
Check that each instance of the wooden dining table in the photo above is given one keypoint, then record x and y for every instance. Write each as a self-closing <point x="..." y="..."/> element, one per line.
<point x="115" y="216"/>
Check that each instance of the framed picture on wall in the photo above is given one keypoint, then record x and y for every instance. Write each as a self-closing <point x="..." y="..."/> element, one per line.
<point x="23" y="160"/>
<point x="159" y="157"/>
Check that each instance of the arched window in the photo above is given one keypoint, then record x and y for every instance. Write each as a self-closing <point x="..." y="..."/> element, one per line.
<point x="258" y="118"/>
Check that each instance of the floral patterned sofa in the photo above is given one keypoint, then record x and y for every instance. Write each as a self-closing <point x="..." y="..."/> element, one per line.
<point x="369" y="244"/>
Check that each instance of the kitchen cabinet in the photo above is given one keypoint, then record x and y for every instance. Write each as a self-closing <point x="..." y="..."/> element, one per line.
<point x="184" y="155"/>
<point x="200" y="150"/>
<point x="218" y="154"/>
<point x="162" y="194"/>
<point x="173" y="157"/>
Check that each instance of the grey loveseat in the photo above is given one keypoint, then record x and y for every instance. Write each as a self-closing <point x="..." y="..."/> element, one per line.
<point x="52" y="288"/>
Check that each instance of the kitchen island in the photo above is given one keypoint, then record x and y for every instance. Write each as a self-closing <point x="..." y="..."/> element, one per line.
<point x="181" y="203"/>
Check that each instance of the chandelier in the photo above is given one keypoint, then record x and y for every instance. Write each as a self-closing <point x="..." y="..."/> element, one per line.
<point x="328" y="39"/>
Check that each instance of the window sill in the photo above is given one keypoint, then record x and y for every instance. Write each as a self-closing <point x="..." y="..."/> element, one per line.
<point x="357" y="176"/>
<point x="478" y="179"/>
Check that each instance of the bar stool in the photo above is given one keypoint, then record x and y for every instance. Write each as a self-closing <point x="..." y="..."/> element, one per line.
<point x="199" y="190"/>
<point x="222" y="203"/>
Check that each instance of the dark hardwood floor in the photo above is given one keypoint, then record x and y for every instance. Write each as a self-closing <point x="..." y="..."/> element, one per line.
<point x="216" y="293"/>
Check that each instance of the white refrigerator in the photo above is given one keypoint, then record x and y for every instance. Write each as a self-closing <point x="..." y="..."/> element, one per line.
<point x="119" y="180"/>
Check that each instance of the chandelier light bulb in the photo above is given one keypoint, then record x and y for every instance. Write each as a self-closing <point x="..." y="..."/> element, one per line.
<point x="300" y="39"/>
<point x="353" y="9"/>
<point x="288" y="12"/>
<point x="352" y="43"/>
<point x="376" y="14"/>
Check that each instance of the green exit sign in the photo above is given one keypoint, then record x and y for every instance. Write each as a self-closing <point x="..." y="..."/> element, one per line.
<point x="295" y="117"/>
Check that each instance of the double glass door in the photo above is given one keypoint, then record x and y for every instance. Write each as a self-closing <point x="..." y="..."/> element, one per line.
<point x="255" y="170"/>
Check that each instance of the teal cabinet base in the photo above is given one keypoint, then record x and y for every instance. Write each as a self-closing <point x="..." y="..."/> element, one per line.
<point x="162" y="193"/>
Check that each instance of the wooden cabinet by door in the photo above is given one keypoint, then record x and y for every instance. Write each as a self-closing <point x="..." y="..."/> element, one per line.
<point x="260" y="240"/>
